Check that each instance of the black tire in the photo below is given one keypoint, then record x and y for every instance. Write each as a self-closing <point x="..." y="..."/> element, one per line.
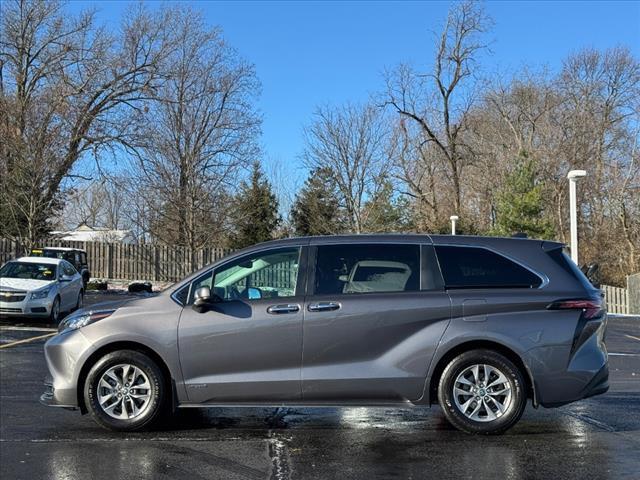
<point x="80" y="301"/>
<point x="158" y="390"/>
<point x="514" y="378"/>
<point x="54" y="315"/>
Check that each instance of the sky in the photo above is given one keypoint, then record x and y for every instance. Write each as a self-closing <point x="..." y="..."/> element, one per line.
<point x="308" y="54"/>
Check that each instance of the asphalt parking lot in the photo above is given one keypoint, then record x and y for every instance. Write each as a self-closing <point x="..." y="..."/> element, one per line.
<point x="595" y="438"/>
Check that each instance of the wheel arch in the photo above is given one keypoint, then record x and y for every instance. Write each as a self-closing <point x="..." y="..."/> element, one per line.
<point x="123" y="345"/>
<point x="474" y="345"/>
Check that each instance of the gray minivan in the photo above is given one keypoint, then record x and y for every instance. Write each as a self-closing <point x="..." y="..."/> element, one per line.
<point x="477" y="324"/>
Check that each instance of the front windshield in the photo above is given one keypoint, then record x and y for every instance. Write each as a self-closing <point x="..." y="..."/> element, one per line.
<point x="31" y="271"/>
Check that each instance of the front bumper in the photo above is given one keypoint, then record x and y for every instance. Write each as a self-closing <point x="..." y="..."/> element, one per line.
<point x="28" y="307"/>
<point x="48" y="397"/>
<point x="65" y="354"/>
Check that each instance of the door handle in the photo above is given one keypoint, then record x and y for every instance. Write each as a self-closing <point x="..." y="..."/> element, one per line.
<point x="286" y="308"/>
<point x="323" y="306"/>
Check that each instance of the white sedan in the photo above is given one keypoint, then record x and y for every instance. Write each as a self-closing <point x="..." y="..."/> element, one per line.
<point x="39" y="287"/>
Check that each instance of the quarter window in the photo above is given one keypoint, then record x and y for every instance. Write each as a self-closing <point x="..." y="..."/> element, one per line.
<point x="367" y="268"/>
<point x="182" y="295"/>
<point x="473" y="267"/>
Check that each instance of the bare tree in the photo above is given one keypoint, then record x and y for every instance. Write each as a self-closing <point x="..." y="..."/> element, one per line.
<point x="202" y="131"/>
<point x="67" y="89"/>
<point x="439" y="102"/>
<point x="585" y="117"/>
<point x="97" y="204"/>
<point x="599" y="125"/>
<point x="417" y="167"/>
<point x="352" y="143"/>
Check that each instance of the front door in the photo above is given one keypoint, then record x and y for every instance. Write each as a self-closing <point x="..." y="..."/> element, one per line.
<point x="374" y="317"/>
<point x="247" y="347"/>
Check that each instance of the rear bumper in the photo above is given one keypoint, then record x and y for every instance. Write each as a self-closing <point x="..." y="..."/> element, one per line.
<point x="562" y="376"/>
<point x="598" y="385"/>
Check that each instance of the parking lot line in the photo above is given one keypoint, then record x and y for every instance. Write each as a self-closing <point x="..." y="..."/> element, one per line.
<point x="28" y="329"/>
<point x="26" y="340"/>
<point x="632" y="337"/>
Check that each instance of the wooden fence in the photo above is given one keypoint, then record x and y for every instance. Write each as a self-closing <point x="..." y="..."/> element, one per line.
<point x="617" y="299"/>
<point x="162" y="263"/>
<point x="157" y="263"/>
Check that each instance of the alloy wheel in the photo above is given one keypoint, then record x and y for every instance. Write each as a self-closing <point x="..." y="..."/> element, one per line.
<point x="482" y="393"/>
<point x="124" y="392"/>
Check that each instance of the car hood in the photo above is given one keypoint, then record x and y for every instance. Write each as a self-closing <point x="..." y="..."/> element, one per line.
<point x="27" y="284"/>
<point x="114" y="304"/>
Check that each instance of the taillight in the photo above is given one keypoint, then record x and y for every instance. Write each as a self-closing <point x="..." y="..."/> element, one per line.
<point x="591" y="319"/>
<point x="591" y="308"/>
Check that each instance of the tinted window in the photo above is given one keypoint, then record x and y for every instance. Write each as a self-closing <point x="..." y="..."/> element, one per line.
<point x="469" y="267"/>
<point x="366" y="268"/>
<point x="568" y="265"/>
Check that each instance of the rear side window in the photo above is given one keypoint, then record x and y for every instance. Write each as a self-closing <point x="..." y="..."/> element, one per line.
<point x="564" y="261"/>
<point x="473" y="267"/>
<point x="367" y="268"/>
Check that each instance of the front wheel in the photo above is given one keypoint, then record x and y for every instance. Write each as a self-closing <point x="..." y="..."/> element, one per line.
<point x="124" y="391"/>
<point x="482" y="392"/>
<point x="80" y="300"/>
<point x="54" y="315"/>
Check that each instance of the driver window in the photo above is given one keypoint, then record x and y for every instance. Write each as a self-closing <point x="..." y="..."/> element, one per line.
<point x="270" y="274"/>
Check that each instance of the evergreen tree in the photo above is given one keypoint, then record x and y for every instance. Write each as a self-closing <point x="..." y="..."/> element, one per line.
<point x="520" y="206"/>
<point x="256" y="214"/>
<point x="316" y="210"/>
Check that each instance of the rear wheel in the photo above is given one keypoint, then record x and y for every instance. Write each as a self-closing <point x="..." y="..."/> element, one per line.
<point x="482" y="392"/>
<point x="125" y="390"/>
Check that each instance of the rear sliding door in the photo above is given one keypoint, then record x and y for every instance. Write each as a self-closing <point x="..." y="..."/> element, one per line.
<point x="373" y="318"/>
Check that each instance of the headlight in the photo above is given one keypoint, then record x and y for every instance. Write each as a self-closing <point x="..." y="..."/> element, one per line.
<point x="40" y="294"/>
<point x="79" y="320"/>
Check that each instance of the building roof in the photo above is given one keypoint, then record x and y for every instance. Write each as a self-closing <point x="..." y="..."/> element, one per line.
<point x="59" y="249"/>
<point x="84" y="233"/>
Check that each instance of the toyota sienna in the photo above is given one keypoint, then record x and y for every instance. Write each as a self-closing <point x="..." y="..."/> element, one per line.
<point x="479" y="325"/>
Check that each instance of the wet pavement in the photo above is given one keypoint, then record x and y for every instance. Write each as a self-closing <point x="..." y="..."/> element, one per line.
<point x="595" y="438"/>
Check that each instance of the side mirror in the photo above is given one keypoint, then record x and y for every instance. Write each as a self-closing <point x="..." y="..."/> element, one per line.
<point x="254" y="293"/>
<point x="203" y="298"/>
<point x="65" y="278"/>
<point x="343" y="278"/>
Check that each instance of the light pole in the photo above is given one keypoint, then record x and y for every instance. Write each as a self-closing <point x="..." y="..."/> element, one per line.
<point x="453" y="219"/>
<point x="573" y="176"/>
